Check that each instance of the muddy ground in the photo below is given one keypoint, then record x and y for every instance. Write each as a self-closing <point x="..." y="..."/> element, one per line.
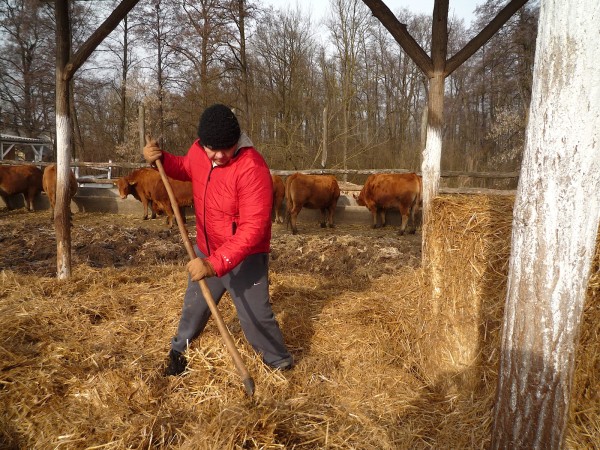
<point x="28" y="245"/>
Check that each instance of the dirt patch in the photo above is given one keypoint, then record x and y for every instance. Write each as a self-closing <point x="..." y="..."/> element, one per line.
<point x="110" y="240"/>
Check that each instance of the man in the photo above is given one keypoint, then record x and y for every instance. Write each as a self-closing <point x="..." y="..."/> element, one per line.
<point x="233" y="195"/>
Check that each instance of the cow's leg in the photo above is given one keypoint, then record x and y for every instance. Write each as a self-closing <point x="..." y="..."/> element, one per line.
<point x="281" y="213"/>
<point x="331" y="212"/>
<point x="381" y="212"/>
<point x="293" y="217"/>
<point x="374" y="215"/>
<point x="404" y="211"/>
<point x="169" y="212"/>
<point x="324" y="218"/>
<point x="144" y="201"/>
<point x="26" y="201"/>
<point x="413" y="229"/>
<point x="29" y="199"/>
<point x="152" y="208"/>
<point x="418" y="218"/>
<point x="52" y="201"/>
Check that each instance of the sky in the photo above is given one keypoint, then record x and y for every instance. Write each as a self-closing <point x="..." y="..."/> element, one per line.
<point x="319" y="8"/>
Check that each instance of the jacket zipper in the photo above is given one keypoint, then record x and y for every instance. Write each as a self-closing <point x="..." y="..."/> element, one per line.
<point x="204" y="221"/>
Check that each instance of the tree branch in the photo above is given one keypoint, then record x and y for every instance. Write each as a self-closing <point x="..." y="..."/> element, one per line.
<point x="484" y="35"/>
<point x="97" y="37"/>
<point x="400" y="33"/>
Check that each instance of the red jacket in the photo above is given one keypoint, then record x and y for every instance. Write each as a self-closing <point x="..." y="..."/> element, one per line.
<point x="232" y="202"/>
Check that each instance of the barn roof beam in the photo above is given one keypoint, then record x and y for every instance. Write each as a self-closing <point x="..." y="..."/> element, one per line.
<point x="400" y="33"/>
<point x="84" y="52"/>
<point x="484" y="35"/>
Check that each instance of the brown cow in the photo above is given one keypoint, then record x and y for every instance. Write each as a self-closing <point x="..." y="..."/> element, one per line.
<point x="146" y="186"/>
<point x="22" y="179"/>
<point x="49" y="185"/>
<point x="278" y="194"/>
<point x="183" y="195"/>
<point x="386" y="191"/>
<point x="313" y="192"/>
<point x="141" y="184"/>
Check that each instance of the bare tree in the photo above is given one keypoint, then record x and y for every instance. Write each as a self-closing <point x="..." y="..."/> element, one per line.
<point x="401" y="97"/>
<point x="241" y="15"/>
<point x="26" y="67"/>
<point x="500" y="75"/>
<point x="203" y="47"/>
<point x="348" y="25"/>
<point x="283" y="48"/>
<point x="159" y="32"/>
<point x="555" y="225"/>
<point x="121" y="47"/>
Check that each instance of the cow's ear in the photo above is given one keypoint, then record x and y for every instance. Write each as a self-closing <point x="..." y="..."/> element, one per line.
<point x="133" y="182"/>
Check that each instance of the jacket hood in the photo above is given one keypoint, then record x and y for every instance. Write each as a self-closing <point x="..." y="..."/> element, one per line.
<point x="243" y="141"/>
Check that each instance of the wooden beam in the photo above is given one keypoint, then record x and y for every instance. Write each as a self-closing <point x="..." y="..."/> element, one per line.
<point x="111" y="22"/>
<point x="484" y="35"/>
<point x="400" y="33"/>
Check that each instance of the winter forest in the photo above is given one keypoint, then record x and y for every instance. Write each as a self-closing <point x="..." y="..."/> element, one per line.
<point x="288" y="79"/>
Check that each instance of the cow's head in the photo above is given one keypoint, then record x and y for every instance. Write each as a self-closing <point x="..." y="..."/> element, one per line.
<point x="124" y="187"/>
<point x="359" y="198"/>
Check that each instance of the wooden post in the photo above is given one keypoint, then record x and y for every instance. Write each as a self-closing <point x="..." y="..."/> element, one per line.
<point x="62" y="212"/>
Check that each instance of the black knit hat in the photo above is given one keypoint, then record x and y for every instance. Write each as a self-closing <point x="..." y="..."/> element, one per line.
<point x="218" y="127"/>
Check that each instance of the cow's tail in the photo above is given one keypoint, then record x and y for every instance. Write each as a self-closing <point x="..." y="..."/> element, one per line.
<point x="288" y="219"/>
<point x="288" y="201"/>
<point x="420" y="192"/>
<point x="418" y="206"/>
<point x="288" y="209"/>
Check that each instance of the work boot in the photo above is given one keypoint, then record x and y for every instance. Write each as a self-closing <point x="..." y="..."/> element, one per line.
<point x="177" y="364"/>
<point x="283" y="365"/>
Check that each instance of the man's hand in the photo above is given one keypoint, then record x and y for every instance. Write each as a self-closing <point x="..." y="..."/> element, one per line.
<point x="199" y="269"/>
<point x="151" y="151"/>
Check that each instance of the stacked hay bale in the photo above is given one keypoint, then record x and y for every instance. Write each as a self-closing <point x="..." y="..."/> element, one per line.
<point x="468" y="247"/>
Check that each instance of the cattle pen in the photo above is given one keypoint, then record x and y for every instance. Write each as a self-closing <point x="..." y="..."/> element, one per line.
<point x="97" y="193"/>
<point x="389" y="354"/>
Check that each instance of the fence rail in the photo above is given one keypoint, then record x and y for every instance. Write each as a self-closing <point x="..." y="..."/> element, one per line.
<point x="108" y="166"/>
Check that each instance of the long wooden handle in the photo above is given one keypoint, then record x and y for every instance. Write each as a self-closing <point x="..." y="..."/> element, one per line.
<point x="233" y="351"/>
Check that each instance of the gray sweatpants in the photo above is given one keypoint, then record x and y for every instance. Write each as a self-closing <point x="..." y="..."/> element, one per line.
<point x="248" y="285"/>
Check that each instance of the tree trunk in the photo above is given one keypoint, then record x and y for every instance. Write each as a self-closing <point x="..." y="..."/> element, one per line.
<point x="62" y="212"/>
<point x="159" y="70"/>
<point x="554" y="233"/>
<point x="245" y="85"/>
<point x="346" y="128"/>
<point x="142" y="127"/>
<point x="124" y="73"/>
<point x="325" y="138"/>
